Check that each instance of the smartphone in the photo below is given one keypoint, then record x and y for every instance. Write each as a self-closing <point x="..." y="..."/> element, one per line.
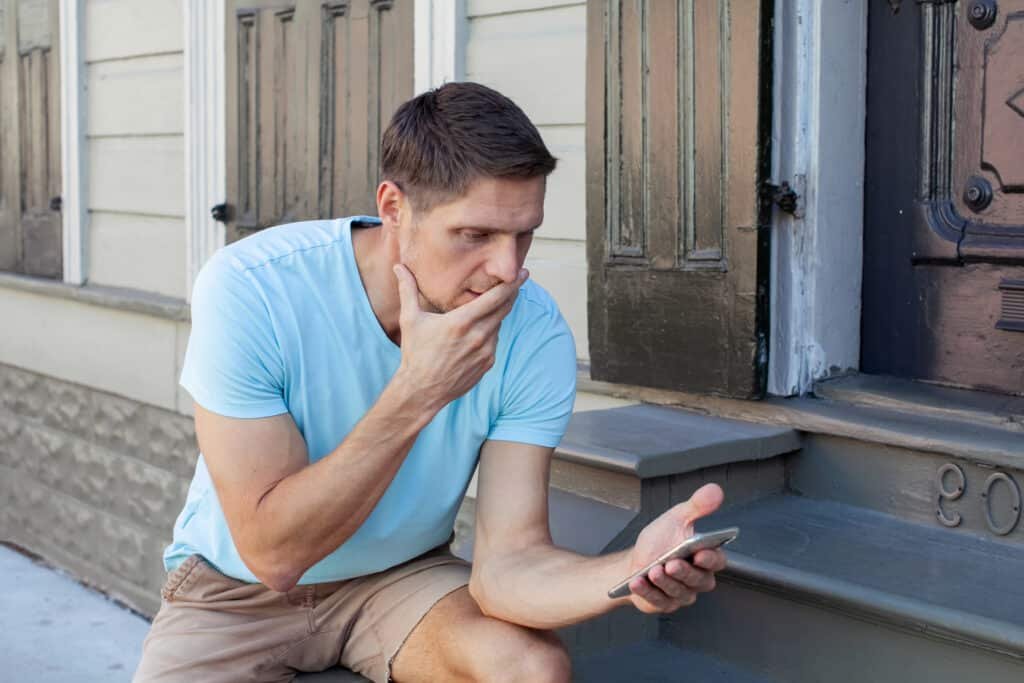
<point x="685" y="550"/>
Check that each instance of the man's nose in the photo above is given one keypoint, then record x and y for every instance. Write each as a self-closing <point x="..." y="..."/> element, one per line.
<point x="503" y="262"/>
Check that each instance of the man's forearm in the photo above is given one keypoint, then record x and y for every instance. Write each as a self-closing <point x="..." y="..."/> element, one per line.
<point x="310" y="513"/>
<point x="546" y="587"/>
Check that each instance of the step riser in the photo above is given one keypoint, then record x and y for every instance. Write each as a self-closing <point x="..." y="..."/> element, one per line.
<point x="905" y="483"/>
<point x="786" y="640"/>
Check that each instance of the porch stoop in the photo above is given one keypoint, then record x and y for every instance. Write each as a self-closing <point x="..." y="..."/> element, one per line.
<point x="845" y="570"/>
<point x="880" y="542"/>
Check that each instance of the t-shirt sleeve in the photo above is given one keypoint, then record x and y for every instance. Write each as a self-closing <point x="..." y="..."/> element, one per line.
<point x="233" y="364"/>
<point x="539" y="387"/>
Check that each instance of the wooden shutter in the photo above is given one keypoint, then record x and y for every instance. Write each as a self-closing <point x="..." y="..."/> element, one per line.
<point x="30" y="174"/>
<point x="311" y="87"/>
<point x="676" y="121"/>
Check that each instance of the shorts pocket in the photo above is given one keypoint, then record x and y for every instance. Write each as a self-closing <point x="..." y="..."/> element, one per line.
<point x="176" y="578"/>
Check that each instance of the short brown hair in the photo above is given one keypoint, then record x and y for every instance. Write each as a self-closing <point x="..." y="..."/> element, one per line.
<point x="440" y="141"/>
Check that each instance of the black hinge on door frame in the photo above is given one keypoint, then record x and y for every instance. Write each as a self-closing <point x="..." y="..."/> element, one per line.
<point x="782" y="196"/>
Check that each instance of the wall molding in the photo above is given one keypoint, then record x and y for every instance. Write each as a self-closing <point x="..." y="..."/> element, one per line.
<point x="73" y="149"/>
<point x="439" y="43"/>
<point x="205" y="131"/>
<point x="819" y="106"/>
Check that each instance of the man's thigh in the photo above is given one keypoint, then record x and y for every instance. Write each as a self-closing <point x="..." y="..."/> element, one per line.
<point x="455" y="641"/>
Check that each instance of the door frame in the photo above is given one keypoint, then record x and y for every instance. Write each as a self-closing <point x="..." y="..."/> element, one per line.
<point x="73" y="148"/>
<point x="818" y="123"/>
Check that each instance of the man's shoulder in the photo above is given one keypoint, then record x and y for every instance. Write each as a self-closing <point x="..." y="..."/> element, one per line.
<point x="272" y="245"/>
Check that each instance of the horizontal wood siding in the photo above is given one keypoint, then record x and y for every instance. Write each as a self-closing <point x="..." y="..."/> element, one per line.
<point x="508" y="44"/>
<point x="129" y="354"/>
<point x="116" y="29"/>
<point x="122" y="248"/>
<point x="135" y="140"/>
<point x="142" y="96"/>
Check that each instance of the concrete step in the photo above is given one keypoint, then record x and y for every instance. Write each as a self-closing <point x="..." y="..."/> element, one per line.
<point x="818" y="590"/>
<point x="658" y="662"/>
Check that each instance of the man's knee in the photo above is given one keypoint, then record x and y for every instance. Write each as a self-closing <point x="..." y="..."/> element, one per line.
<point x="534" y="657"/>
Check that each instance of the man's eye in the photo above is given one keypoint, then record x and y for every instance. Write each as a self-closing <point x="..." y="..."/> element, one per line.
<point x="472" y="235"/>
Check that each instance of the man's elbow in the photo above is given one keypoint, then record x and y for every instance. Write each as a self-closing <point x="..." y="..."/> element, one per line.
<point x="274" y="573"/>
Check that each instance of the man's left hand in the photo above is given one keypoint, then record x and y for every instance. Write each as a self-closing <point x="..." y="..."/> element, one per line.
<point x="675" y="584"/>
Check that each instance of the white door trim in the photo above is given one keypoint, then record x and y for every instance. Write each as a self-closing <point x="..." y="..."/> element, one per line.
<point x="205" y="131"/>
<point x="74" y="167"/>
<point x="819" y="96"/>
<point x="438" y="42"/>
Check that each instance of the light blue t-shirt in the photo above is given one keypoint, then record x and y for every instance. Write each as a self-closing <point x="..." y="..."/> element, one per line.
<point x="281" y="323"/>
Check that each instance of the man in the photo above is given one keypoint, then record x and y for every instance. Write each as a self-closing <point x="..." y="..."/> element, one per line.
<point x="347" y="377"/>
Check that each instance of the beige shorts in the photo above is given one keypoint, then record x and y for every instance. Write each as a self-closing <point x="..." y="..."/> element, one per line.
<point x="213" y="628"/>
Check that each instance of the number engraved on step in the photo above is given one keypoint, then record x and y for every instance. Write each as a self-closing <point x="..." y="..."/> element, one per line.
<point x="1000" y="498"/>
<point x="988" y="493"/>
<point x="958" y="483"/>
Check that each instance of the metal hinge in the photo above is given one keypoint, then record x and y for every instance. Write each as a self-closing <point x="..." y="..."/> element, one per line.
<point x="783" y="196"/>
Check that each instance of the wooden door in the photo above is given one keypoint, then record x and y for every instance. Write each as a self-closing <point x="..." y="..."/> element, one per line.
<point x="311" y="86"/>
<point x="944" y="194"/>
<point x="677" y="121"/>
<point x="30" y="174"/>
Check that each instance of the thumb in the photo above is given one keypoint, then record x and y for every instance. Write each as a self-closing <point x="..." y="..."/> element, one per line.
<point x="703" y="502"/>
<point x="408" y="292"/>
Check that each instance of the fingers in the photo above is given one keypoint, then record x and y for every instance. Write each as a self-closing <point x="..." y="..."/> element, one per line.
<point x="493" y="299"/>
<point x="692" y="578"/>
<point x="408" y="291"/>
<point x="677" y="583"/>
<point x="711" y="560"/>
<point x="704" y="501"/>
<point x="652" y="598"/>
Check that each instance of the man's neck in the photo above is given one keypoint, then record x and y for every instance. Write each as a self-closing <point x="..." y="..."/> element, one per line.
<point x="375" y="270"/>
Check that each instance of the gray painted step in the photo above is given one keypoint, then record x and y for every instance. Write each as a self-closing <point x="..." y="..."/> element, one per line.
<point x="959" y="586"/>
<point x="980" y="407"/>
<point x="658" y="662"/>
<point x="818" y="590"/>
<point x="652" y="441"/>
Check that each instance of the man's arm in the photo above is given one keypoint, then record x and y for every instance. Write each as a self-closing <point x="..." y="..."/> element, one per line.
<point x="284" y="514"/>
<point x="521" y="577"/>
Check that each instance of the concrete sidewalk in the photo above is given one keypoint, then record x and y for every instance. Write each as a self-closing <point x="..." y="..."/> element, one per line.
<point x="54" y="630"/>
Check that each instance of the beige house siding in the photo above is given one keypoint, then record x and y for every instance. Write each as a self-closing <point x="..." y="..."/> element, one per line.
<point x="129" y="354"/>
<point x="135" y="113"/>
<point x="534" y="51"/>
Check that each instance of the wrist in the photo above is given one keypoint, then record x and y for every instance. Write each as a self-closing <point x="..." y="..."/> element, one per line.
<point x="410" y="400"/>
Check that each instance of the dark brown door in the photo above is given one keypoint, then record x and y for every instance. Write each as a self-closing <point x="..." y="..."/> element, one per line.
<point x="30" y="175"/>
<point x="944" y="193"/>
<point x="311" y="87"/>
<point x="676" y="121"/>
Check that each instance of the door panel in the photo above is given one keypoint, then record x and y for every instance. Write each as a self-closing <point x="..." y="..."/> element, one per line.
<point x="311" y="87"/>
<point x="944" y="196"/>
<point x="989" y="140"/>
<point x="30" y="174"/>
<point x="675" y="153"/>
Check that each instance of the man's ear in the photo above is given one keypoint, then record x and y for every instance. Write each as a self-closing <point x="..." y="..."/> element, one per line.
<point x="391" y="202"/>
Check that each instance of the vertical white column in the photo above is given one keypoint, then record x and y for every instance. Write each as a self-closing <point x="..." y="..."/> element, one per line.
<point x="205" y="130"/>
<point x="439" y="40"/>
<point x="74" y="169"/>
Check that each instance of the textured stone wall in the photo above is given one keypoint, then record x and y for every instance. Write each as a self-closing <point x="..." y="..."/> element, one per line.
<point x="91" y="481"/>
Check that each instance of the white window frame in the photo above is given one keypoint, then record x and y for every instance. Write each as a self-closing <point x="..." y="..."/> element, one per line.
<point x="819" y="96"/>
<point x="205" y="131"/>
<point x="74" y="163"/>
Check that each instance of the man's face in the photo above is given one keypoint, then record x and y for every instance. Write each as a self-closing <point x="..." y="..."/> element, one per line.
<point x="460" y="249"/>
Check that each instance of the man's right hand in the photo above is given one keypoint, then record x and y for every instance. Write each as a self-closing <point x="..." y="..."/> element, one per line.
<point x="444" y="355"/>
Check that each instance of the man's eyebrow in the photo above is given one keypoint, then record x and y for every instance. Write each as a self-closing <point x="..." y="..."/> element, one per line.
<point x="489" y="229"/>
